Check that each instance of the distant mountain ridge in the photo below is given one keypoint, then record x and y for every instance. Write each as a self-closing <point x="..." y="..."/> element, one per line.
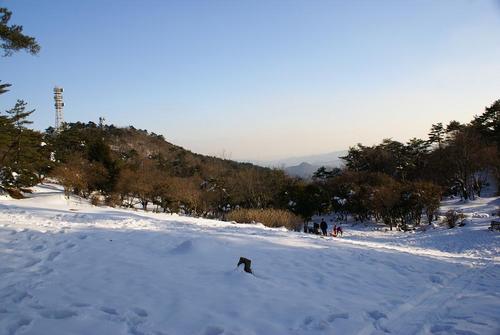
<point x="303" y="170"/>
<point x="305" y="166"/>
<point x="327" y="159"/>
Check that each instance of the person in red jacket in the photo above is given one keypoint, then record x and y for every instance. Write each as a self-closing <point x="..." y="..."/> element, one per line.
<point x="334" y="231"/>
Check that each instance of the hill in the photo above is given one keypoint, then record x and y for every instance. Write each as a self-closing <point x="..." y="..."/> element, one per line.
<point x="130" y="166"/>
<point x="303" y="170"/>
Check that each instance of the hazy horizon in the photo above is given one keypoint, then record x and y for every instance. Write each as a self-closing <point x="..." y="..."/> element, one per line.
<point x="260" y="80"/>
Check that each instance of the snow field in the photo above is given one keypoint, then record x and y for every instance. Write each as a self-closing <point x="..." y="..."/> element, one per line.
<point x="67" y="267"/>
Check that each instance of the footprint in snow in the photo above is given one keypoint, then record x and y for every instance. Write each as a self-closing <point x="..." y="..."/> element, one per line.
<point x="436" y="279"/>
<point x="36" y="306"/>
<point x="307" y="320"/>
<point x="377" y="315"/>
<point x="6" y="270"/>
<point x="182" y="248"/>
<point x="18" y="324"/>
<point x="214" y="330"/>
<point x="70" y="245"/>
<point x="38" y="248"/>
<point x="335" y="316"/>
<point x="140" y="312"/>
<point x="82" y="237"/>
<point x="57" y="314"/>
<point x="441" y="328"/>
<point x="32" y="262"/>
<point x="136" y="321"/>
<point x="18" y="296"/>
<point x="45" y="271"/>
<point x="109" y="310"/>
<point x="53" y="255"/>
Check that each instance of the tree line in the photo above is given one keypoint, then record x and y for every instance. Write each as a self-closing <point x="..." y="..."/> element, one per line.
<point x="391" y="182"/>
<point x="396" y="182"/>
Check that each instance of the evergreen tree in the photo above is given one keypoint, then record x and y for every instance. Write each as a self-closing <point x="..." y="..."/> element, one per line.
<point x="322" y="174"/>
<point x="22" y="156"/>
<point x="4" y="88"/>
<point x="12" y="40"/>
<point x="437" y="133"/>
<point x="12" y="36"/>
<point x="13" y="128"/>
<point x="488" y="123"/>
<point x="453" y="126"/>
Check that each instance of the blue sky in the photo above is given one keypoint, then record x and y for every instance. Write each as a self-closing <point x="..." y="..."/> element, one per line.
<point x="260" y="79"/>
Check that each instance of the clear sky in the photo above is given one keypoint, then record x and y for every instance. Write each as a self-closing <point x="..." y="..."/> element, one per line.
<point x="260" y="79"/>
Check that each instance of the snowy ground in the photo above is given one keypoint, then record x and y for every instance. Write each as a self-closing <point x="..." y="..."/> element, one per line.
<point x="67" y="267"/>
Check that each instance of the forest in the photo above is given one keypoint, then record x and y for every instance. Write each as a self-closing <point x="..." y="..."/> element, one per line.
<point x="391" y="182"/>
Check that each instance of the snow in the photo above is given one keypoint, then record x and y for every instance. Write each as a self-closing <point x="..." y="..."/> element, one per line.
<point x="67" y="267"/>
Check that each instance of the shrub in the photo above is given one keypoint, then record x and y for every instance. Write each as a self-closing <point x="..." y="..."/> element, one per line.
<point x="96" y="199"/>
<point x="113" y="200"/>
<point x="269" y="217"/>
<point x="452" y="218"/>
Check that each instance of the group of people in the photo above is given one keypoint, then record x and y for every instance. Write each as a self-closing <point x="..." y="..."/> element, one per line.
<point x="337" y="231"/>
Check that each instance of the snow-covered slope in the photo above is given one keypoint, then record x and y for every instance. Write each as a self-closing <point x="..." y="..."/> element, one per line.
<point x="67" y="267"/>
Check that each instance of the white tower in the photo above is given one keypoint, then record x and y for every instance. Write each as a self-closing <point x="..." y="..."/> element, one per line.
<point x="59" y="104"/>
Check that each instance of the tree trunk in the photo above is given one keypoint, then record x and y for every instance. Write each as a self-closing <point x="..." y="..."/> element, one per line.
<point x="247" y="264"/>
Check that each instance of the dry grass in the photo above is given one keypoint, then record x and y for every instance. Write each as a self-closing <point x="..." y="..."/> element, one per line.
<point x="452" y="218"/>
<point x="268" y="217"/>
<point x="15" y="193"/>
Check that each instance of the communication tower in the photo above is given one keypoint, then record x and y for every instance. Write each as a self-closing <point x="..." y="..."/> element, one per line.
<point x="59" y="104"/>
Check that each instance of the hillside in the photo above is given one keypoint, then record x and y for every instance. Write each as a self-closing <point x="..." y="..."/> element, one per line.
<point x="129" y="142"/>
<point x="127" y="166"/>
<point x="68" y="267"/>
<point x="303" y="170"/>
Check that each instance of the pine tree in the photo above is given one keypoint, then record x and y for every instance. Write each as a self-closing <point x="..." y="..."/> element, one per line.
<point x="21" y="152"/>
<point x="12" y="37"/>
<point x="12" y="40"/>
<point x="488" y="123"/>
<point x="18" y="116"/>
<point x="437" y="133"/>
<point x="4" y="88"/>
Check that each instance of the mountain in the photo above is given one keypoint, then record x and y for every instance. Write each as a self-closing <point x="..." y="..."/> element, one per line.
<point x="303" y="170"/>
<point x="331" y="159"/>
<point x="305" y="166"/>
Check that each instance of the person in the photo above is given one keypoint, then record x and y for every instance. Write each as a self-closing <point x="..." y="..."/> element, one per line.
<point x="334" y="231"/>
<point x="324" y="226"/>
<point x="306" y="227"/>
<point x="339" y="230"/>
<point x="316" y="228"/>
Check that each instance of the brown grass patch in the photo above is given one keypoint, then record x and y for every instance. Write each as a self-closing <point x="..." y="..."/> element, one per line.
<point x="269" y="217"/>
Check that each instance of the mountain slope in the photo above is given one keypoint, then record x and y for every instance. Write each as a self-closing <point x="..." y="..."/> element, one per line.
<point x="303" y="170"/>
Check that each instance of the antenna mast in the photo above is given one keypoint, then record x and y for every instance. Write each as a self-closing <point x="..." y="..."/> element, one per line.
<point x="59" y="104"/>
